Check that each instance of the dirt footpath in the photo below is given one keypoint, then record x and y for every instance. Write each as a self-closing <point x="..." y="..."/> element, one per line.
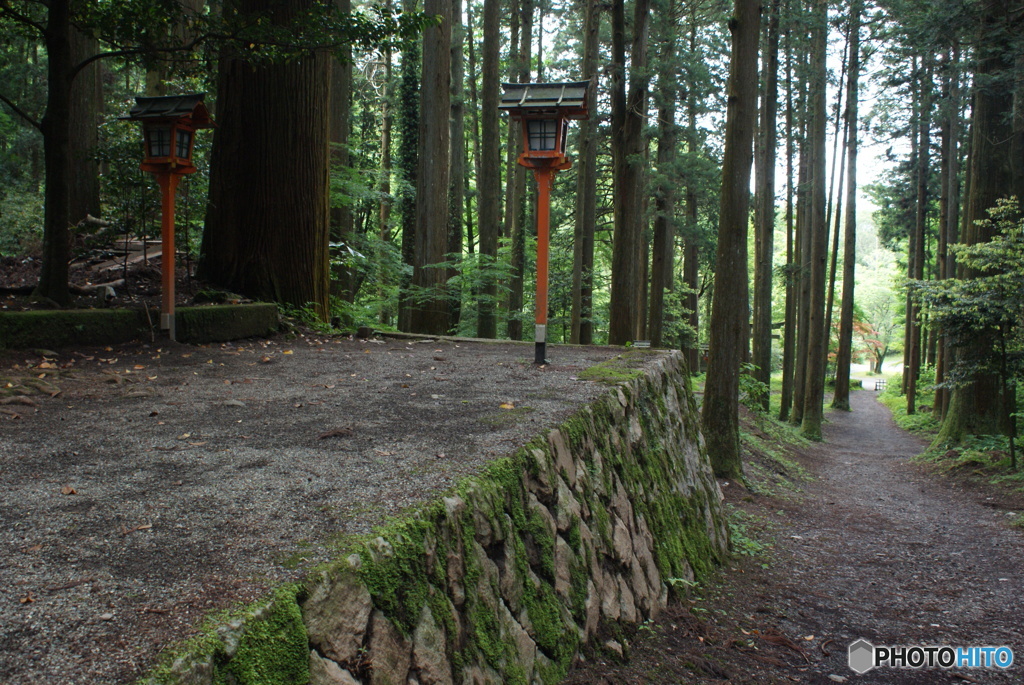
<point x="143" y="486"/>
<point x="875" y="548"/>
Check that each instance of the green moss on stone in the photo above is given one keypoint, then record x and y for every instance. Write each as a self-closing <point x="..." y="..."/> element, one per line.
<point x="273" y="647"/>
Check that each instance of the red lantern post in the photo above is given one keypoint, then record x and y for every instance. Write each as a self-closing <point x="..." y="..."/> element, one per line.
<point x="545" y="110"/>
<point x="168" y="126"/>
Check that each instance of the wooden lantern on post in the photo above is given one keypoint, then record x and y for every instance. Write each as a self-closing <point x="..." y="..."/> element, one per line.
<point x="168" y="128"/>
<point x="545" y="110"/>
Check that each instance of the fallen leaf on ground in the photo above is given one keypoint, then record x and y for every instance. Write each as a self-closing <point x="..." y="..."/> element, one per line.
<point x="68" y="490"/>
<point x="287" y="352"/>
<point x="129" y="531"/>
<point x="27" y="599"/>
<point x="507" y="405"/>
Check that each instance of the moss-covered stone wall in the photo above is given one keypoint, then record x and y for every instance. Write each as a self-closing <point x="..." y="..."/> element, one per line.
<point x="504" y="578"/>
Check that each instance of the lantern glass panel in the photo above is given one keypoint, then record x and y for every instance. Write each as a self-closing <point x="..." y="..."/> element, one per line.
<point x="542" y="134"/>
<point x="159" y="141"/>
<point x="565" y="135"/>
<point x="183" y="147"/>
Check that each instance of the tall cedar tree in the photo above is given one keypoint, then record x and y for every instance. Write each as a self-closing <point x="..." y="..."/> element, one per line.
<point x="430" y="315"/>
<point x="994" y="171"/>
<point x="517" y="210"/>
<point x="663" y="244"/>
<point x="921" y="174"/>
<point x="814" y="378"/>
<point x="490" y="173"/>
<point x="586" y="190"/>
<point x="628" y="151"/>
<point x="266" y="230"/>
<point x="949" y="206"/>
<point x="457" y="179"/>
<point x="841" y="399"/>
<point x="764" y="226"/>
<point x="408" y="165"/>
<point x="728" y="328"/>
<point x="789" y="325"/>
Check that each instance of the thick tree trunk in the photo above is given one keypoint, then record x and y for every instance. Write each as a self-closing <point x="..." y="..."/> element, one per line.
<point x="920" y="225"/>
<point x="84" y="118"/>
<point x="691" y="251"/>
<point x="267" y="228"/>
<point x="628" y="150"/>
<point x="663" y="245"/>
<point x="950" y="210"/>
<point x="976" y="408"/>
<point x="519" y="213"/>
<point x="384" y="207"/>
<point x="764" y="227"/>
<point x="431" y="312"/>
<point x="586" y="192"/>
<point x="789" y="327"/>
<point x="720" y="410"/>
<point x="803" y="273"/>
<point x="490" y="173"/>
<point x="810" y="426"/>
<point x="457" y="179"/>
<point x="841" y="399"/>
<point x="55" y="126"/>
<point x="408" y="151"/>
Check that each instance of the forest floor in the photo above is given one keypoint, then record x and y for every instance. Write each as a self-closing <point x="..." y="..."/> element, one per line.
<point x="873" y="545"/>
<point x="144" y="486"/>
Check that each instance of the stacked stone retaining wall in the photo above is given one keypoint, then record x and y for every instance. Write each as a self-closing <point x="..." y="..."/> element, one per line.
<point x="503" y="579"/>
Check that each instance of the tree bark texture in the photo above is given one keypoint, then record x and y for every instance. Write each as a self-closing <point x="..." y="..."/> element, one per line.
<point x="430" y="315"/>
<point x="408" y="165"/>
<point x="728" y="328"/>
<point x="586" y="191"/>
<point x="922" y="173"/>
<point x="490" y="173"/>
<point x="628" y="147"/>
<point x="85" y="118"/>
<point x="789" y="326"/>
<point x="55" y="127"/>
<point x="844" y="357"/>
<point x="518" y="213"/>
<point x="267" y="221"/>
<point x="764" y="227"/>
<point x="810" y="426"/>
<point x="457" y="178"/>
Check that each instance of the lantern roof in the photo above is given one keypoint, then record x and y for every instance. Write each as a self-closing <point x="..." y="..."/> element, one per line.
<point x="567" y="100"/>
<point x="188" y="106"/>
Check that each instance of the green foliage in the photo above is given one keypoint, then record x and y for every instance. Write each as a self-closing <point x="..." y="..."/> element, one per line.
<point x="752" y="391"/>
<point x="21" y="221"/>
<point x="982" y="314"/>
<point x="741" y="540"/>
<point x="922" y="422"/>
<point x="988" y="303"/>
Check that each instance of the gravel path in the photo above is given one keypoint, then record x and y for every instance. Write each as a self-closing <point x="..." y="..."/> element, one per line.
<point x="158" y="483"/>
<point x="876" y="548"/>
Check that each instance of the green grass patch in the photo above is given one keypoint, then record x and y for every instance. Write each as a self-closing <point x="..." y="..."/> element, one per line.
<point x="743" y="539"/>
<point x="922" y="422"/>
